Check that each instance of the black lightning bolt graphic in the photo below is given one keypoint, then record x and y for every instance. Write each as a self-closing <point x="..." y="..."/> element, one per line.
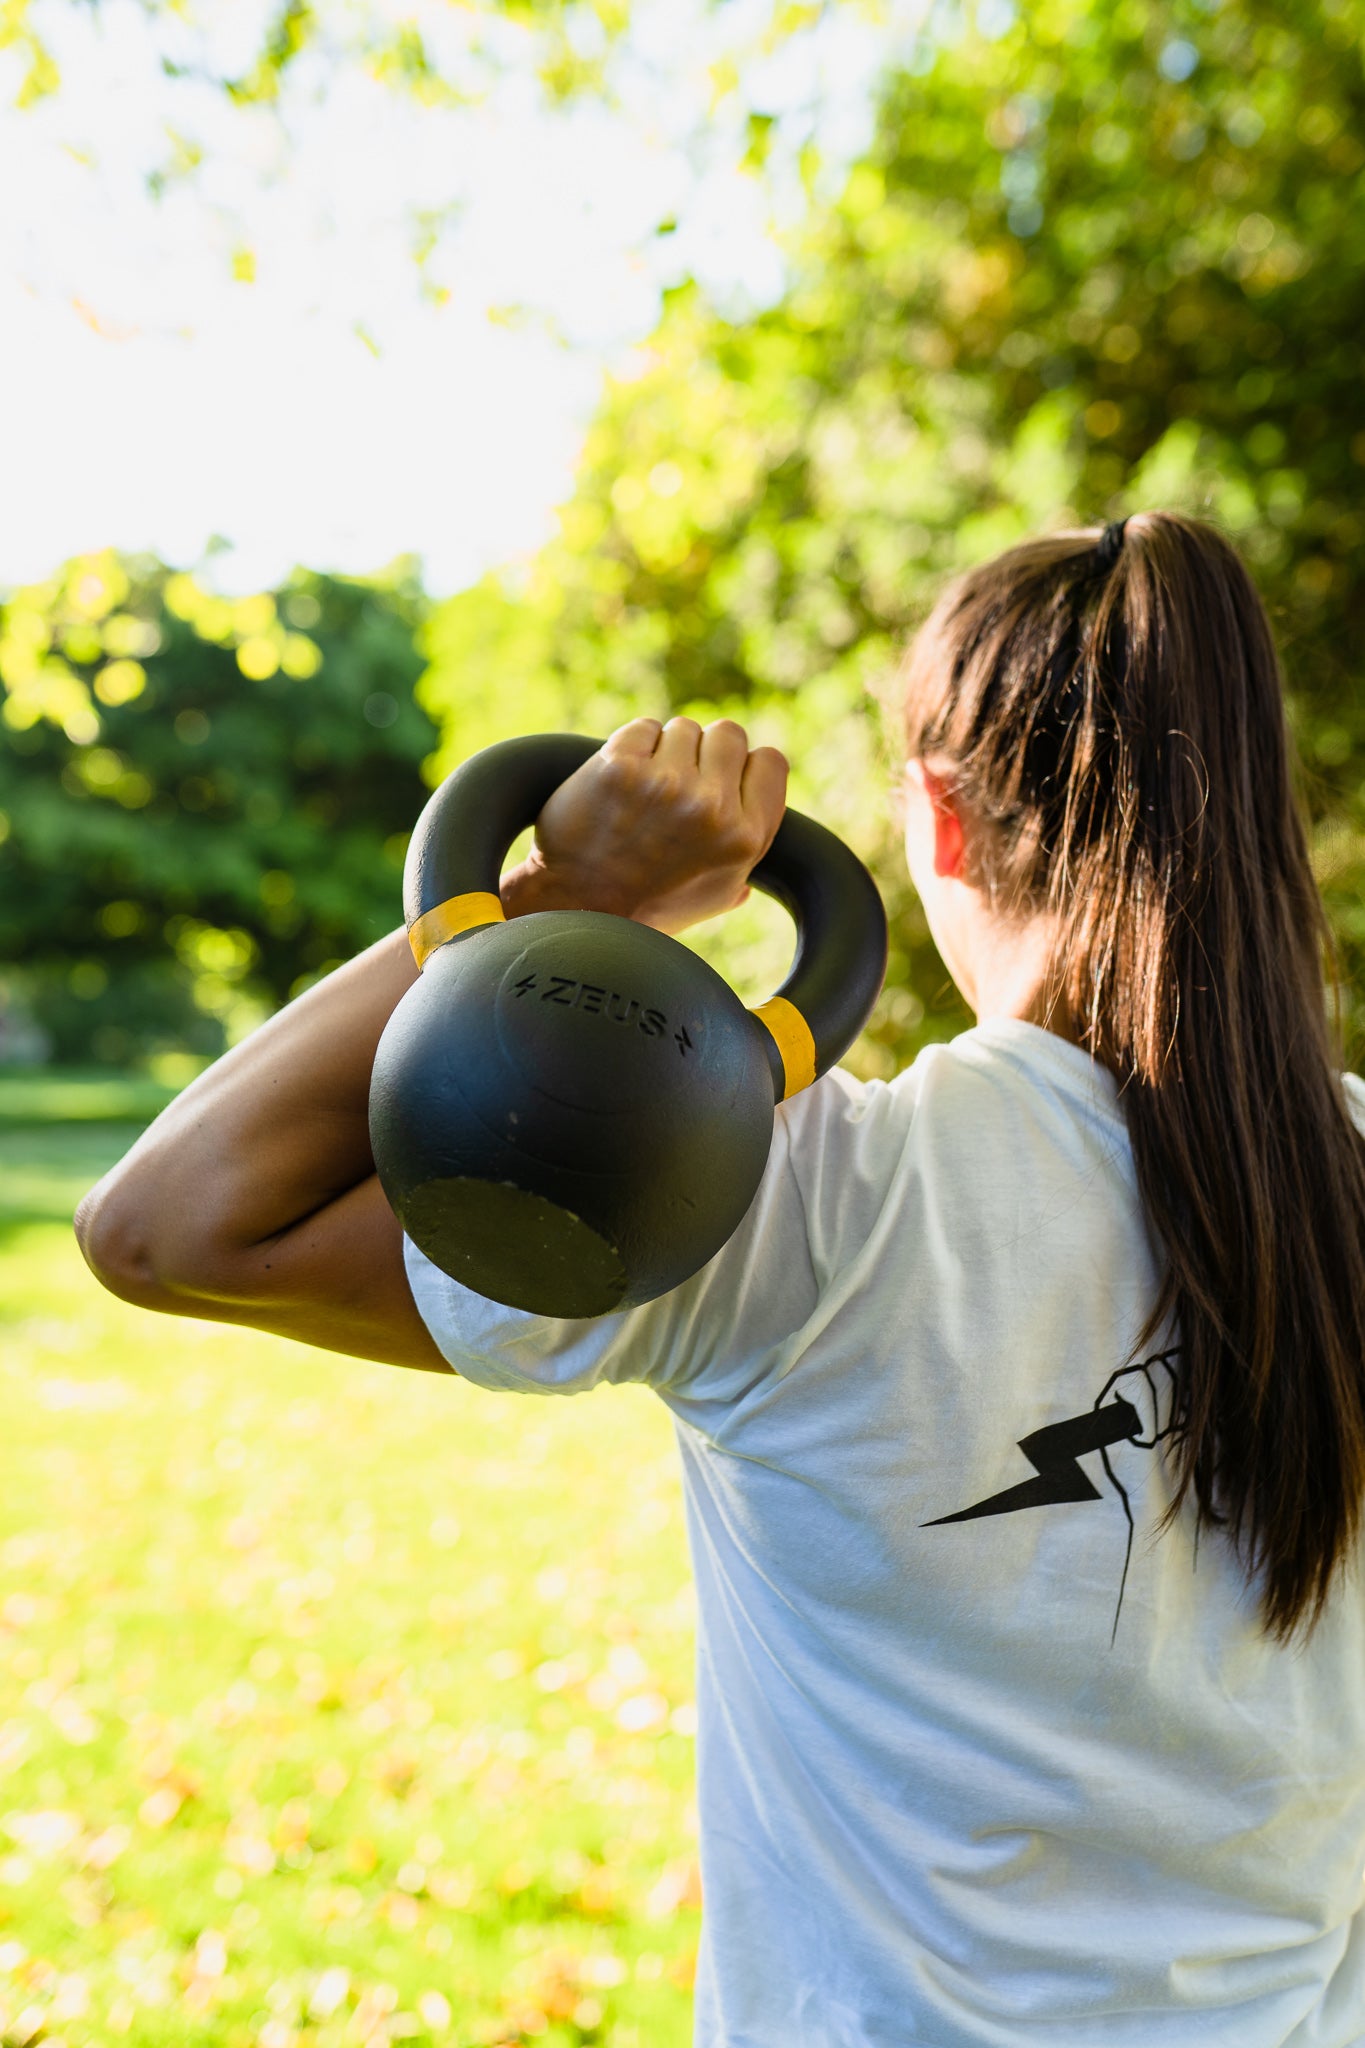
<point x="1053" y="1452"/>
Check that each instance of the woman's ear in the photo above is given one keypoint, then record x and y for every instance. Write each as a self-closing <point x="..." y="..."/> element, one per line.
<point x="949" y="844"/>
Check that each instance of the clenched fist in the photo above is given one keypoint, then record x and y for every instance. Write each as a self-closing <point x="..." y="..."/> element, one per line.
<point x="664" y="825"/>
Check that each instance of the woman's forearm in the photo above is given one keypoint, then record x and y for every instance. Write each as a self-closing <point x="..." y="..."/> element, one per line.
<point x="269" y="1136"/>
<point x="270" y="1133"/>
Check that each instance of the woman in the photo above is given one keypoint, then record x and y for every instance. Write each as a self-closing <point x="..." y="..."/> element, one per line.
<point x="1022" y="1421"/>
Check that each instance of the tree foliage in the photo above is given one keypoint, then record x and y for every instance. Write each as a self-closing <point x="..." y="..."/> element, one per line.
<point x="437" y="53"/>
<point x="1099" y="257"/>
<point x="204" y="801"/>
<point x="1096" y="257"/>
<point x="564" y="41"/>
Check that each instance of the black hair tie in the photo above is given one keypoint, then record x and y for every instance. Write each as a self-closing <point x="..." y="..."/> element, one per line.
<point x="1108" y="545"/>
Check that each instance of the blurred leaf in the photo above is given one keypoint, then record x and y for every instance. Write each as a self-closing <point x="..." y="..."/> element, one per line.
<point x="40" y="74"/>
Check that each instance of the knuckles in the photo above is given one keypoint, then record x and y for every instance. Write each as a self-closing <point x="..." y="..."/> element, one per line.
<point x="658" y="802"/>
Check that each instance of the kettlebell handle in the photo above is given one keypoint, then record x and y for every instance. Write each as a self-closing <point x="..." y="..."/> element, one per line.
<point x="455" y="857"/>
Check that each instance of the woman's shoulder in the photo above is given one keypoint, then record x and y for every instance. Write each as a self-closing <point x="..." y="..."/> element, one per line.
<point x="997" y="1078"/>
<point x="1004" y="1051"/>
<point x="843" y="1100"/>
<point x="851" y="1125"/>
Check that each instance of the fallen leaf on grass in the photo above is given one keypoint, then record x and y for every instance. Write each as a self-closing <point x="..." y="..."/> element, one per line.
<point x="160" y="1808"/>
<point x="677" y="1889"/>
<point x="44" y="1833"/>
<point x="247" y="1850"/>
<point x="328" y="1993"/>
<point x="401" y="1911"/>
<point x="106" y="1847"/>
<point x="683" y="1971"/>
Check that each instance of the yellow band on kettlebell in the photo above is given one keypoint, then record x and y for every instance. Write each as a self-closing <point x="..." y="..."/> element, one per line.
<point x="791" y="1034"/>
<point x="447" y="920"/>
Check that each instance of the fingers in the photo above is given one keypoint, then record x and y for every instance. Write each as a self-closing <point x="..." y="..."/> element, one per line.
<point x="679" y="744"/>
<point x="724" y="751"/>
<point x="639" y="738"/>
<point x="752" y="785"/>
<point x="763" y="790"/>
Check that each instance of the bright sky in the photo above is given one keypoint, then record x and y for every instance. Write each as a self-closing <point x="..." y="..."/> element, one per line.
<point x="346" y="405"/>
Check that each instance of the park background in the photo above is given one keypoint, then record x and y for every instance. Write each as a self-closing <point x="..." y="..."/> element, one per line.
<point x="344" y="1706"/>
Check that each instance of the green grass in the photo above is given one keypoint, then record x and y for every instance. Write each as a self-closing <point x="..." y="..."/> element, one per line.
<point x="338" y="1704"/>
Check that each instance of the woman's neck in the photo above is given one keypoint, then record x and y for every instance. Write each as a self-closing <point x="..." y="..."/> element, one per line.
<point x="1006" y="968"/>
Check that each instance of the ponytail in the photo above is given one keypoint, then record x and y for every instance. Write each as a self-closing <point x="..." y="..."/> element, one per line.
<point x="1115" y="719"/>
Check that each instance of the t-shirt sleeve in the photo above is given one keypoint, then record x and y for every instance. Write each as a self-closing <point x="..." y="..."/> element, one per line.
<point x="724" y="1328"/>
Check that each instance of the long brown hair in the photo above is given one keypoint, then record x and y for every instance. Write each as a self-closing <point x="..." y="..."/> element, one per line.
<point x="1114" y="718"/>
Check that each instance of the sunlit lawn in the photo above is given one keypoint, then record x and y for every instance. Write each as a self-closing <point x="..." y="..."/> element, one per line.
<point x="338" y="1704"/>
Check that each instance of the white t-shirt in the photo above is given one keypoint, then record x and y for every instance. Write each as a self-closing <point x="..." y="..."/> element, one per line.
<point x="952" y="1791"/>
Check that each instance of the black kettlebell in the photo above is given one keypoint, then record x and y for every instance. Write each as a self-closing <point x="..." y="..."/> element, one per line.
<point x="571" y="1112"/>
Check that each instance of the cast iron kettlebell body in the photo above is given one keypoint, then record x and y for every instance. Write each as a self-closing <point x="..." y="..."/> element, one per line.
<point x="571" y="1112"/>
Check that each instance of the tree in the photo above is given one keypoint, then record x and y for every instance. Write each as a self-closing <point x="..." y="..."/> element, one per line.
<point x="1097" y="258"/>
<point x="564" y="40"/>
<point x="204" y="801"/>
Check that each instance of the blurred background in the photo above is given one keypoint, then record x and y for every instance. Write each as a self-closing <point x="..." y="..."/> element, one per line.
<point x="386" y="379"/>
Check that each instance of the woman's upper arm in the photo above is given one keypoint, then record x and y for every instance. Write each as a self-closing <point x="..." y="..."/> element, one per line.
<point x="335" y="1278"/>
<point x="252" y="1198"/>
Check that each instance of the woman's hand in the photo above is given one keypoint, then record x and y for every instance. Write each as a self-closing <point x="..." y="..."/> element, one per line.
<point x="664" y="825"/>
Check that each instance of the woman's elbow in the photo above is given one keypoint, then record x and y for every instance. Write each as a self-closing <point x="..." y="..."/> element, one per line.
<point x="116" y="1243"/>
